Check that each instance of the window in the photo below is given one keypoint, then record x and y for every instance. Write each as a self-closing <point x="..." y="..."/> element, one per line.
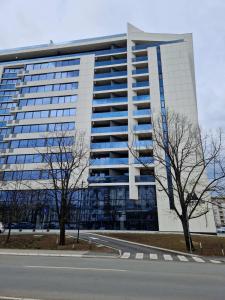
<point x="44" y="127"/>
<point x="53" y="64"/>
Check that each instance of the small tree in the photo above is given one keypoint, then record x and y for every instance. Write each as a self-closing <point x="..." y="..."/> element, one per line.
<point x="182" y="158"/>
<point x="66" y="161"/>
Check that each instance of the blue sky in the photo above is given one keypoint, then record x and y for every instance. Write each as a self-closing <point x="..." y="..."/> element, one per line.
<point x="29" y="22"/>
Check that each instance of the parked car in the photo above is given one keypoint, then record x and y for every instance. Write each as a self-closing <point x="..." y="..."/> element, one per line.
<point x="2" y="229"/>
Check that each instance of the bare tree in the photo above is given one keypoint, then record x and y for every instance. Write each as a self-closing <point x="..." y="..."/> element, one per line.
<point x="65" y="161"/>
<point x="182" y="158"/>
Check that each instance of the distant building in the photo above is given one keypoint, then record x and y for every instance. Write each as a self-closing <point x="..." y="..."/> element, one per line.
<point x="219" y="211"/>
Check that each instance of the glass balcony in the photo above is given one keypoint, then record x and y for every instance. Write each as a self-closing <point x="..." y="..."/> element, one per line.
<point x="7" y="86"/>
<point x="144" y="160"/>
<point x="141" y="97"/>
<point x="9" y="75"/>
<point x="3" y="124"/>
<point x="142" y="112"/>
<point x="140" y="84"/>
<point x="145" y="178"/>
<point x="4" y="145"/>
<point x="111" y="51"/>
<point x="110" y="114"/>
<point x="140" y="58"/>
<point x="109" y="101"/>
<point x="143" y="127"/>
<point x="4" y="111"/>
<point x="145" y="143"/>
<point x="110" y="62"/>
<point x="110" y="129"/>
<point x="143" y="46"/>
<point x="110" y="74"/>
<point x="109" y="145"/>
<point x="108" y="179"/>
<point x="140" y="71"/>
<point x="110" y="87"/>
<point x="109" y="161"/>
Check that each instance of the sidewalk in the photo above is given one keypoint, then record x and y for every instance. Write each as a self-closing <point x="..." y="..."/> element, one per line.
<point x="55" y="253"/>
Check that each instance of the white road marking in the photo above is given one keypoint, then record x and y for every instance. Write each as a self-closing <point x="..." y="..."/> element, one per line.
<point x="139" y="255"/>
<point x="126" y="255"/>
<point x="215" y="261"/>
<point x="182" y="258"/>
<point x="167" y="257"/>
<point x="75" y="268"/>
<point x="153" y="256"/>
<point x="94" y="238"/>
<point x="198" y="259"/>
<point x="15" y="298"/>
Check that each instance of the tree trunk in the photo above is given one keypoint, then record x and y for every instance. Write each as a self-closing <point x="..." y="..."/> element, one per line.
<point x="62" y="234"/>
<point x="9" y="232"/>
<point x="187" y="235"/>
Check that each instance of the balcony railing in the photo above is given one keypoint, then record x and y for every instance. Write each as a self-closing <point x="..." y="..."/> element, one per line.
<point x="140" y="58"/>
<point x="7" y="86"/>
<point x="143" y="127"/>
<point x="111" y="62"/>
<point x="109" y="161"/>
<point x="145" y="143"/>
<point x="117" y="86"/>
<point x="109" y="101"/>
<point x="4" y="111"/>
<point x="141" y="97"/>
<point x="140" y="84"/>
<point x="110" y="51"/>
<point x="142" y="112"/>
<point x="108" y="179"/>
<point x="110" y="74"/>
<point x="145" y="178"/>
<point x="144" y="160"/>
<point x="110" y="129"/>
<point x="109" y="145"/>
<point x="110" y="114"/>
<point x="140" y="71"/>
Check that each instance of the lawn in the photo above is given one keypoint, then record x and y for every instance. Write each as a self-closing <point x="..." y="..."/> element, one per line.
<point x="204" y="244"/>
<point x="48" y="242"/>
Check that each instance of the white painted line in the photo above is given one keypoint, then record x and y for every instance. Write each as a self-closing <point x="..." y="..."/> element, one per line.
<point x="198" y="259"/>
<point x="153" y="256"/>
<point x="126" y="255"/>
<point x="15" y="298"/>
<point x="41" y="254"/>
<point x="167" y="257"/>
<point x="94" y="238"/>
<point x="139" y="255"/>
<point x="215" y="261"/>
<point x="76" y="268"/>
<point x="182" y="258"/>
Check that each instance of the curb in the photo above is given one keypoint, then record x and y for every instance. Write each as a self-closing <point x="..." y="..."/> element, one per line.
<point x="148" y="246"/>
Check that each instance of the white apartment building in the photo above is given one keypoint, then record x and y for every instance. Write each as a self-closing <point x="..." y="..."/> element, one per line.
<point x="219" y="211"/>
<point x="108" y="87"/>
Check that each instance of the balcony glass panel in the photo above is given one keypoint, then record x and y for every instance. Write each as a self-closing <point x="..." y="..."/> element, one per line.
<point x="111" y="74"/>
<point x="145" y="178"/>
<point x="146" y="143"/>
<point x="109" y="100"/>
<point x="109" y="161"/>
<point x="140" y="58"/>
<point x="7" y="87"/>
<point x="110" y="129"/>
<point x="108" y="179"/>
<point x="141" y="97"/>
<point x="140" y="84"/>
<point x="110" y="87"/>
<point x="116" y="50"/>
<point x="142" y="112"/>
<point x="111" y="62"/>
<point x="140" y="71"/>
<point x="142" y="127"/>
<point x="109" y="145"/>
<point x="144" y="160"/>
<point x="110" y="114"/>
<point x="4" y="111"/>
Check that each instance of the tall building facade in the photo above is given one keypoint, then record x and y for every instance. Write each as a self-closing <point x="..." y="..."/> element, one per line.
<point x="109" y="87"/>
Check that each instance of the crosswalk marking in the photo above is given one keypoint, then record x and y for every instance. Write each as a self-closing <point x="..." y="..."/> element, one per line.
<point x="139" y="255"/>
<point x="215" y="261"/>
<point x="167" y="257"/>
<point x="153" y="256"/>
<point x="198" y="259"/>
<point x="182" y="258"/>
<point x="126" y="255"/>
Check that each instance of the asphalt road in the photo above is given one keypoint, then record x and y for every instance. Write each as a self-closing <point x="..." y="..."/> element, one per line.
<point x="109" y="279"/>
